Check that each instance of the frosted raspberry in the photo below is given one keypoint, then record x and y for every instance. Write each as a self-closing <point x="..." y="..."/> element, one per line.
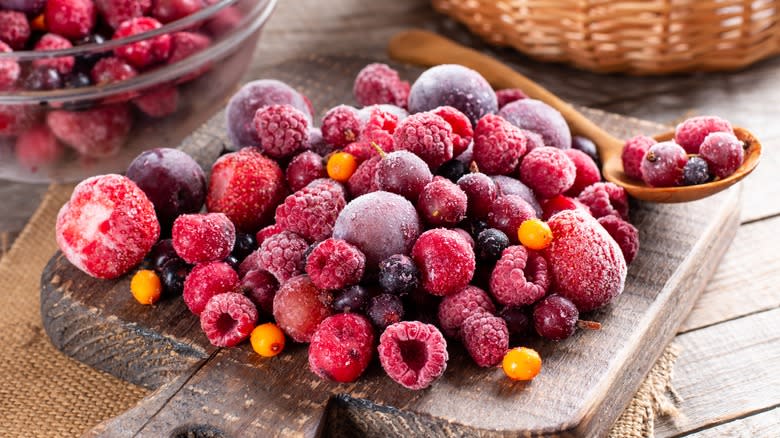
<point x="560" y="203"/>
<point x="158" y="102"/>
<point x="363" y="181"/>
<point x="446" y="261"/>
<point x="335" y="264"/>
<point x="15" y="119"/>
<point x="498" y="145"/>
<point x="520" y="277"/>
<point x="341" y="126"/>
<point x="378" y="83"/>
<point x="9" y="69"/>
<point x="312" y="211"/>
<point x="146" y="52"/>
<point x="426" y="135"/>
<point x="260" y="287"/>
<point x="342" y="347"/>
<point x="587" y="172"/>
<point x="14" y="29"/>
<point x="486" y="338"/>
<point x="281" y="255"/>
<point x="509" y="95"/>
<point x="691" y="133"/>
<point x="585" y="263"/>
<point x="267" y="232"/>
<point x="207" y="280"/>
<point x="723" y="153"/>
<point x="548" y="171"/>
<point x="228" y="319"/>
<point x="625" y="234"/>
<point x="37" y="147"/>
<point x="508" y="212"/>
<point x="281" y="130"/>
<point x="633" y="153"/>
<point x="413" y="354"/>
<point x="663" y="164"/>
<point x="72" y="19"/>
<point x="111" y="70"/>
<point x="604" y="199"/>
<point x="456" y="308"/>
<point x="107" y="227"/>
<point x="378" y="127"/>
<point x="97" y="132"/>
<point x="172" y="10"/>
<point x="462" y="132"/>
<point x="115" y="12"/>
<point x="199" y="238"/>
<point x="246" y="186"/>
<point x="50" y="41"/>
<point x="186" y="44"/>
<point x="299" y="308"/>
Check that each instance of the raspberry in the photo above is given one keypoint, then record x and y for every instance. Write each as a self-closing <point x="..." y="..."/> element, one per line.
<point x="696" y="171"/>
<point x="246" y="186"/>
<point x="260" y="287"/>
<point x="107" y="227"/>
<point x="146" y="52"/>
<point x="282" y="255"/>
<point x="281" y="130"/>
<point x="604" y="199"/>
<point x="186" y="44"/>
<point x="691" y="133"/>
<point x="303" y="169"/>
<point x="14" y="29"/>
<point x="110" y="70"/>
<point x="398" y="275"/>
<point x="442" y="203"/>
<point x="9" y="69"/>
<point x="456" y="308"/>
<point x="37" y="147"/>
<point x="663" y="164"/>
<point x="413" y="354"/>
<point x="341" y="126"/>
<point x="509" y="95"/>
<point x="486" y="338"/>
<point x="498" y="145"/>
<point x="15" y="119"/>
<point x="520" y="277"/>
<point x="312" y="211"/>
<point x="585" y="263"/>
<point x="385" y="310"/>
<point x="633" y="153"/>
<point x="342" y="347"/>
<point x="299" y="307"/>
<point x="172" y="10"/>
<point x="508" y="212"/>
<point x="199" y="238"/>
<point x="158" y="102"/>
<point x="462" y="132"/>
<point x="228" y="319"/>
<point x="723" y="153"/>
<point x="207" y="280"/>
<point x="559" y="203"/>
<point x="446" y="261"/>
<point x="335" y="264"/>
<point x="97" y="132"/>
<point x="267" y="232"/>
<point x="378" y="127"/>
<point x="114" y="12"/>
<point x="363" y="181"/>
<point x="548" y="171"/>
<point x="72" y="19"/>
<point x="378" y="83"/>
<point x="51" y="41"/>
<point x="426" y="135"/>
<point x="625" y="234"/>
<point x="587" y="172"/>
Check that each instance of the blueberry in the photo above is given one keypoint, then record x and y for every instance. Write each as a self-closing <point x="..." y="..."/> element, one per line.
<point x="696" y="171"/>
<point x="453" y="170"/>
<point x="474" y="227"/>
<point x="43" y="79"/>
<point x="351" y="299"/>
<point x="77" y="79"/>
<point x="162" y="253"/>
<point x="245" y="245"/>
<point x="490" y="244"/>
<point x="398" y="275"/>
<point x="172" y="274"/>
<point x="386" y="309"/>
<point x="233" y="261"/>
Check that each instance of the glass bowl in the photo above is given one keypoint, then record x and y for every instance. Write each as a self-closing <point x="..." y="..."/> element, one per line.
<point x="67" y="128"/>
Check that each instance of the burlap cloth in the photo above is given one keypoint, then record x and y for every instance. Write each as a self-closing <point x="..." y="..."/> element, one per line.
<point x="44" y="393"/>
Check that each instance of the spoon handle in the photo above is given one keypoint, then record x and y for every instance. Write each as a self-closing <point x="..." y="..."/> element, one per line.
<point x="426" y="48"/>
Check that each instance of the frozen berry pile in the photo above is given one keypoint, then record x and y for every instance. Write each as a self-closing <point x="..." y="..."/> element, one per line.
<point x="439" y="214"/>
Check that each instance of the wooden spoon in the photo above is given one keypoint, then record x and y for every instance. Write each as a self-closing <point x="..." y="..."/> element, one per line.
<point x="425" y="48"/>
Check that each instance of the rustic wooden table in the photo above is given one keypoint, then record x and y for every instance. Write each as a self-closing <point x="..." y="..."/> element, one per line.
<point x="728" y="374"/>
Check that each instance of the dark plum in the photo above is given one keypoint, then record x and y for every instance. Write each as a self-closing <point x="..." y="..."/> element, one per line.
<point x="512" y="186"/>
<point x="442" y="203"/>
<point x="398" y="275"/>
<point x="481" y="192"/>
<point x="352" y="299"/>
<point x="537" y="116"/>
<point x="385" y="309"/>
<point x="403" y="173"/>
<point x="453" y="85"/>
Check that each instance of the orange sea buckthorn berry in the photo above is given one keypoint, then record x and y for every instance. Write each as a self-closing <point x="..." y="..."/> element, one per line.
<point x="341" y="165"/>
<point x="267" y="340"/>
<point x="522" y="363"/>
<point x="535" y="234"/>
<point x="39" y="23"/>
<point x="146" y="287"/>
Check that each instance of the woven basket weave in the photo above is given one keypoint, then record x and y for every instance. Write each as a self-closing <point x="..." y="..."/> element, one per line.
<point x="636" y="37"/>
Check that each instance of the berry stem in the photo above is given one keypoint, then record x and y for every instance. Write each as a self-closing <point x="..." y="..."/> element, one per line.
<point x="588" y="325"/>
<point x="473" y="167"/>
<point x="379" y="150"/>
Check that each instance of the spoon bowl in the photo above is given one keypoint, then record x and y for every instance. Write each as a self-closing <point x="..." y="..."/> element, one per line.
<point x="428" y="49"/>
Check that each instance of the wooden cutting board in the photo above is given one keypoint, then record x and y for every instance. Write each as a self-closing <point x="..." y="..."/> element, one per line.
<point x="585" y="383"/>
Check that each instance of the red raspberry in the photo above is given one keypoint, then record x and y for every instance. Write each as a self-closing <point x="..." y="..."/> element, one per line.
<point x="486" y="338"/>
<point x="312" y="211"/>
<point x="342" y="347"/>
<point x="110" y="70"/>
<point x="633" y="153"/>
<point x="37" y="147"/>
<point x="50" y="41"/>
<point x="246" y="186"/>
<point x="299" y="308"/>
<point x="72" y="19"/>
<point x="267" y="232"/>
<point x="560" y="203"/>
<point x="445" y="260"/>
<point x="604" y="199"/>
<point x="426" y="135"/>
<point x="548" y="171"/>
<point x="520" y="277"/>
<point x="282" y="255"/>
<point x="691" y="133"/>
<point x="498" y="145"/>
<point x="363" y="181"/>
<point x="158" y="102"/>
<point x="462" y="132"/>
<point x="107" y="227"/>
<point x="585" y="263"/>
<point x="508" y="212"/>
<point x="146" y="52"/>
<point x="260" y="287"/>
<point x="378" y="83"/>
<point x="413" y="354"/>
<point x="15" y="119"/>
<point x="282" y="130"/>
<point x="362" y="150"/>
<point x="456" y="308"/>
<point x="335" y="264"/>
<point x="115" y="12"/>
<point x="625" y="234"/>
<point x="199" y="238"/>
<point x="378" y="127"/>
<point x="587" y="172"/>
<point x="341" y="125"/>
<point x="97" y="132"/>
<point x="172" y="10"/>
<point x="303" y="169"/>
<point x="9" y="69"/>
<point x="509" y="95"/>
<point x="186" y="44"/>
<point x="14" y="29"/>
<point x="228" y="319"/>
<point x="723" y="153"/>
<point x="205" y="281"/>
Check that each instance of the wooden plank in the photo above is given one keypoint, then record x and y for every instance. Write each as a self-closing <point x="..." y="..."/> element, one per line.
<point x="726" y="371"/>
<point x="761" y="191"/>
<point x="763" y="425"/>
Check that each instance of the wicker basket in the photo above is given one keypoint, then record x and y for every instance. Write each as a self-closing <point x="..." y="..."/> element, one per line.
<point x="636" y="37"/>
